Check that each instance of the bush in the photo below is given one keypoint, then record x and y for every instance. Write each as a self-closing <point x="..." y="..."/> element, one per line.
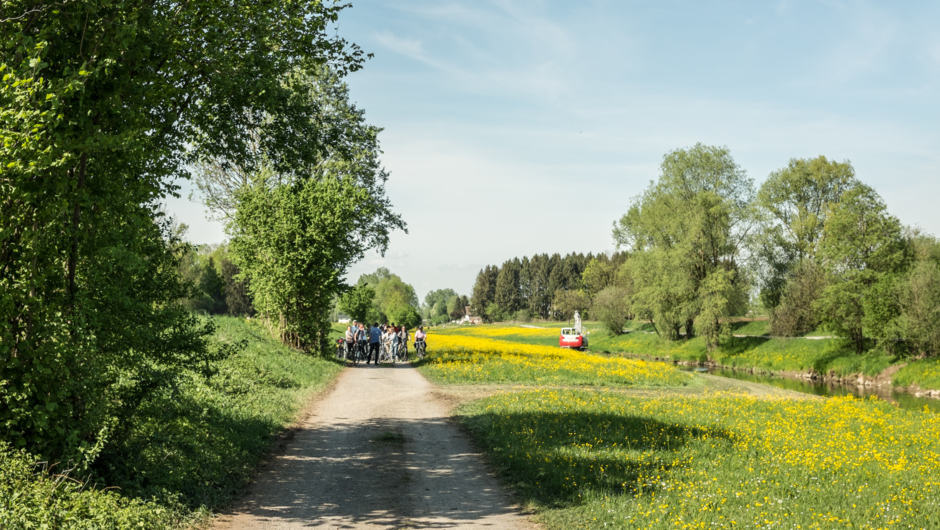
<point x="612" y="307"/>
<point x="795" y="315"/>
<point x="522" y="315"/>
<point x="920" y="301"/>
<point x="33" y="496"/>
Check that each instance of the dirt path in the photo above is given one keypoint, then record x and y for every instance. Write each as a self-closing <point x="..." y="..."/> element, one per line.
<point x="376" y="452"/>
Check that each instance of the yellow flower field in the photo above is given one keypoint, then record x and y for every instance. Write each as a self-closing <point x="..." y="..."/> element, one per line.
<point x="474" y="356"/>
<point x="601" y="459"/>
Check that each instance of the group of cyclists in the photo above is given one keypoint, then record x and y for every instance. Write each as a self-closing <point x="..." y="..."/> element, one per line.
<point x="379" y="343"/>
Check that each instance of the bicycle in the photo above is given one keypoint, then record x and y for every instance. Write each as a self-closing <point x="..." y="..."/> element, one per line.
<point x="340" y="349"/>
<point x="420" y="347"/>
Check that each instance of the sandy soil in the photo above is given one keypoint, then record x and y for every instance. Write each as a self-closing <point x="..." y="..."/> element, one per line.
<point x="377" y="451"/>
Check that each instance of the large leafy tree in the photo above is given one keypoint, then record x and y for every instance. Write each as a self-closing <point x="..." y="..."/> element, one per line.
<point x="102" y="104"/>
<point x="357" y="302"/>
<point x="795" y="202"/>
<point x="864" y="251"/>
<point x="688" y="232"/>
<point x="294" y="242"/>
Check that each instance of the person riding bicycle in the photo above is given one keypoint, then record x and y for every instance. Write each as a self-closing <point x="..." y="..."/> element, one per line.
<point x="403" y="343"/>
<point x="420" y="341"/>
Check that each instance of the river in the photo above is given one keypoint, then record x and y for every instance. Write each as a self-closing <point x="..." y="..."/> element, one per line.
<point x="821" y="388"/>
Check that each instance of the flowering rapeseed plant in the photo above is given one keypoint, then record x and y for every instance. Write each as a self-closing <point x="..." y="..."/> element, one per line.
<point x="465" y="358"/>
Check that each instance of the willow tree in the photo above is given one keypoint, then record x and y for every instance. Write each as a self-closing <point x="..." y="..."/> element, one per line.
<point x="795" y="202"/>
<point x="688" y="234"/>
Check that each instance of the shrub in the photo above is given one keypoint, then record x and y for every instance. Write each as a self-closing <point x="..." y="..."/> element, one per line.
<point x="795" y="315"/>
<point x="612" y="307"/>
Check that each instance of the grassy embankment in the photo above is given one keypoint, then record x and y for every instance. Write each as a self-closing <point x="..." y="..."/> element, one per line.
<point x="757" y="352"/>
<point x="188" y="451"/>
<point x="599" y="457"/>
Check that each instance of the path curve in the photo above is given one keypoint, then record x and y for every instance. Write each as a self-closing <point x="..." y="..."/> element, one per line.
<point x="377" y="451"/>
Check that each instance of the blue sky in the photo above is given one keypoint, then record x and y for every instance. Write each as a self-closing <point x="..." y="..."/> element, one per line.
<point x="520" y="127"/>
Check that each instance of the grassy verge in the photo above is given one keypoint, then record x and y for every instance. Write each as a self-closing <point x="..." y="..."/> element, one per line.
<point x="459" y="357"/>
<point x="596" y="459"/>
<point x="187" y="450"/>
<point x="924" y="373"/>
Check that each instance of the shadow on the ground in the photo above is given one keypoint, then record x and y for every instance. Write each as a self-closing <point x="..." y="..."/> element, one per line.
<point x="562" y="454"/>
<point x="388" y="473"/>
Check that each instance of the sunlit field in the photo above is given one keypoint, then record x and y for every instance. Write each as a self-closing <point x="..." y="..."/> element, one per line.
<point x="596" y="459"/>
<point x="488" y="355"/>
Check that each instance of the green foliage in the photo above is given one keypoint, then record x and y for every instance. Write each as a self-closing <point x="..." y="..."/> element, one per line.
<point x="102" y="105"/>
<point x="237" y="300"/>
<point x="457" y="307"/>
<point x="920" y="302"/>
<point x="33" y="496"/>
<point x="521" y="315"/>
<point x="200" y="441"/>
<point x="484" y="291"/>
<point x="924" y="373"/>
<point x="357" y="302"/>
<point x="508" y="294"/>
<point x="293" y="243"/>
<point x="395" y="300"/>
<point x="440" y="303"/>
<point x="565" y="303"/>
<point x="184" y="450"/>
<point x="605" y="271"/>
<point x="693" y="223"/>
<point x="612" y="307"/>
<point x="495" y="313"/>
<point x="862" y="246"/>
<point x="796" y="201"/>
<point x="795" y="312"/>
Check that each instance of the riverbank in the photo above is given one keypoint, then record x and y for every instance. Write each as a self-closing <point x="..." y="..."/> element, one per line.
<point x="752" y="351"/>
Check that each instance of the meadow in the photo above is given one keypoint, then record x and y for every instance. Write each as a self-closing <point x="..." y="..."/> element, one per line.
<point x="495" y="355"/>
<point x="184" y="452"/>
<point x="586" y="454"/>
<point x="762" y="354"/>
<point x="595" y="459"/>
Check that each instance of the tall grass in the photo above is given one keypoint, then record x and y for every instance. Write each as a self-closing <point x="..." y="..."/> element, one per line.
<point x="187" y="449"/>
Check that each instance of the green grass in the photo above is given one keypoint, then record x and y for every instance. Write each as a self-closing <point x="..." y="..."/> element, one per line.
<point x="193" y="447"/>
<point x="924" y="373"/>
<point x="600" y="459"/>
<point x="759" y="353"/>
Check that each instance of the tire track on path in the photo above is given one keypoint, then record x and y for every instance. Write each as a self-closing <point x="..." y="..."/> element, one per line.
<point x="377" y="451"/>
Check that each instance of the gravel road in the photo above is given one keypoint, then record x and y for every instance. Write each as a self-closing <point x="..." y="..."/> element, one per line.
<point x="377" y="451"/>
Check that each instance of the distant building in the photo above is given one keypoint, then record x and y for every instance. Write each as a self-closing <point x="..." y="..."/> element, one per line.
<point x="343" y="319"/>
<point x="468" y="318"/>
